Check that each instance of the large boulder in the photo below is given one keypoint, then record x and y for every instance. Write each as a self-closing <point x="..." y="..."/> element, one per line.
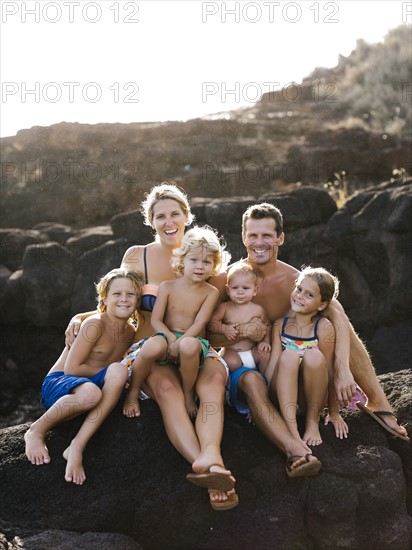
<point x="88" y="239"/>
<point x="47" y="280"/>
<point x="136" y="487"/>
<point x="91" y="266"/>
<point x="13" y="244"/>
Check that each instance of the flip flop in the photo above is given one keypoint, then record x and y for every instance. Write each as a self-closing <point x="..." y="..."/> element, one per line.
<point x="211" y="480"/>
<point x="310" y="468"/>
<point x="228" y="504"/>
<point x="376" y="415"/>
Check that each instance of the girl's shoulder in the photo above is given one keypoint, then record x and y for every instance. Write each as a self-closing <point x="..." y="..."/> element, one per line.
<point x="278" y="324"/>
<point x="323" y="322"/>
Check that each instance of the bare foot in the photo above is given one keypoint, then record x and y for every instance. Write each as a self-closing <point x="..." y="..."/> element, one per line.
<point x="74" y="470"/>
<point x="131" y="407"/>
<point x="312" y="435"/>
<point x="36" y="450"/>
<point x="341" y="428"/>
<point x="190" y="405"/>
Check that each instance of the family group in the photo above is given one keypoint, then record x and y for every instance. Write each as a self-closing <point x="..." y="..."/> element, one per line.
<point x="176" y="323"/>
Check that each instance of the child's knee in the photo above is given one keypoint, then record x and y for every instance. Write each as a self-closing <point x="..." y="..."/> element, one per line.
<point x="189" y="346"/>
<point x="87" y="395"/>
<point x="288" y="358"/>
<point x="116" y="372"/>
<point x="313" y="359"/>
<point x="155" y="348"/>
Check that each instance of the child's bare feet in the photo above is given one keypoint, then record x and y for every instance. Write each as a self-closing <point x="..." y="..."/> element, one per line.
<point x="36" y="450"/>
<point x="131" y="407"/>
<point x="190" y="405"/>
<point x="74" y="470"/>
<point x="341" y="428"/>
<point x="312" y="435"/>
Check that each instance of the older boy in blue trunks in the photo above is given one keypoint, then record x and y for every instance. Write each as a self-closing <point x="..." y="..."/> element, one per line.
<point x="88" y="377"/>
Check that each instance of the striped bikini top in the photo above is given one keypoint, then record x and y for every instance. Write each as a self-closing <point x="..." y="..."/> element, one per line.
<point x="296" y="343"/>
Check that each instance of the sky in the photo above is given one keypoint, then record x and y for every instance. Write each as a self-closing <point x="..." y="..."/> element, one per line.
<point x="156" y="60"/>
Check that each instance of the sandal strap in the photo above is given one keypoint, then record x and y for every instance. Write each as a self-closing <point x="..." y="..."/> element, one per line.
<point x="385" y="413"/>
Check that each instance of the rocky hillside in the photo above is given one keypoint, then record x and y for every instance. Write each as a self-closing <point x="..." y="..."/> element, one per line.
<point x="310" y="133"/>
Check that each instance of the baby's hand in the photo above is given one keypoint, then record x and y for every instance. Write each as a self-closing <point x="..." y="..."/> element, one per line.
<point x="264" y="347"/>
<point x="231" y="332"/>
<point x="341" y="428"/>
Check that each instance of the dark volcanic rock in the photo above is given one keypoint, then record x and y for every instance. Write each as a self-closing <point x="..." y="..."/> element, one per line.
<point x="136" y="486"/>
<point x="47" y="280"/>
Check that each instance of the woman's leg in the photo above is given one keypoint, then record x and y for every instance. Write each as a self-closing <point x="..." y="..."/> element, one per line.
<point x="287" y="389"/>
<point x="315" y="386"/>
<point x="210" y="388"/>
<point x="164" y="386"/>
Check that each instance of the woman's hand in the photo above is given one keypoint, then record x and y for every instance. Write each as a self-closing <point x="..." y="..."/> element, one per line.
<point x="72" y="331"/>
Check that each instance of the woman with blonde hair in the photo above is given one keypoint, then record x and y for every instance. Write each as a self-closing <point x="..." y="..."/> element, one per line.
<point x="167" y="211"/>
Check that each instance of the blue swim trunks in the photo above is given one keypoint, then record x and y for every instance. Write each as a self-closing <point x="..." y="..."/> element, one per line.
<point x="57" y="384"/>
<point x="232" y="389"/>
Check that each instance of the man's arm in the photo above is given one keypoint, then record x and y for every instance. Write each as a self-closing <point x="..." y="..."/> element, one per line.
<point x="343" y="379"/>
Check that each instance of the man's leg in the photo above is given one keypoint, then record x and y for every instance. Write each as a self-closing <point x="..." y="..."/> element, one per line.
<point x="365" y="376"/>
<point x="268" y="420"/>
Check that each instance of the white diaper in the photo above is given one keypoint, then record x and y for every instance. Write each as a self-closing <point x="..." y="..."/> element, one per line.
<point x="247" y="359"/>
